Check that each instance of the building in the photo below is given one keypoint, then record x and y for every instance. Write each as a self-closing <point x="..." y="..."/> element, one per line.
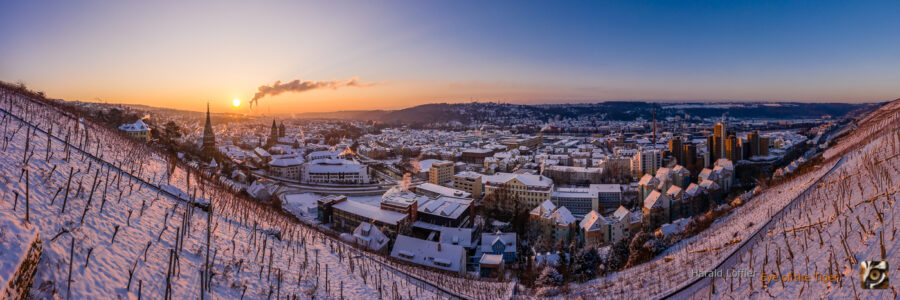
<point x="441" y="172"/>
<point x="138" y="130"/>
<point x="339" y="171"/>
<point x="646" y="162"/>
<point x="288" y="168"/>
<point x="597" y="231"/>
<point x="582" y="200"/>
<point x="528" y="189"/>
<point x="476" y="155"/>
<point x="690" y="162"/>
<point x="556" y="222"/>
<point x="732" y="149"/>
<point x="434" y="191"/>
<point x="273" y="135"/>
<point x="569" y="175"/>
<point x="466" y="238"/>
<point x="527" y="142"/>
<point x="446" y="211"/>
<point x="469" y="182"/>
<point x="347" y="215"/>
<point x="655" y="211"/>
<point x="759" y="146"/>
<point x="490" y="265"/>
<point x="501" y="243"/>
<point x="676" y="147"/>
<point x="368" y="236"/>
<point x="430" y="254"/>
<point x="401" y="201"/>
<point x="208" y="149"/>
<point x="324" y="207"/>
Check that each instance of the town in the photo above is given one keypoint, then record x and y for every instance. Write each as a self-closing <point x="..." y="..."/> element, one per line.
<point x="487" y="199"/>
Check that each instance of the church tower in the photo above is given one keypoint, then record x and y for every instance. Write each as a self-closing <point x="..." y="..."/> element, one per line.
<point x="273" y="135"/>
<point x="208" y="150"/>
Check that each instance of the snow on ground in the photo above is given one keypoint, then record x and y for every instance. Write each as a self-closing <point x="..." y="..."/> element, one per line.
<point x="302" y="205"/>
<point x="99" y="199"/>
<point x="15" y="237"/>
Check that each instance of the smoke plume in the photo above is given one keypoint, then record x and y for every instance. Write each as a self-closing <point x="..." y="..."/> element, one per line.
<point x="299" y="86"/>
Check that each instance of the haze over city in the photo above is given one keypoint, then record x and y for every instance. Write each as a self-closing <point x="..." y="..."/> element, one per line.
<point x="402" y="54"/>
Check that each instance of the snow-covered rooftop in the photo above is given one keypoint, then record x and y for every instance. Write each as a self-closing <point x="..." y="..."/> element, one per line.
<point x="371" y="212"/>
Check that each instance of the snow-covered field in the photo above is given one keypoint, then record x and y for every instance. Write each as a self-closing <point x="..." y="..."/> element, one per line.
<point x="103" y="219"/>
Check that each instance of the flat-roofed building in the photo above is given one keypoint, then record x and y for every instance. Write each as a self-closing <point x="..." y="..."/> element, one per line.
<point x="470" y="182"/>
<point x="441" y="172"/>
<point x="347" y="215"/>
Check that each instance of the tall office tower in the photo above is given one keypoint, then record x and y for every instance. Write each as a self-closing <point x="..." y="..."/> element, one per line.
<point x="675" y="146"/>
<point x="689" y="152"/>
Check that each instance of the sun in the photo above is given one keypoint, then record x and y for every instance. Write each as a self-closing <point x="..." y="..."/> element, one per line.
<point x="236" y="102"/>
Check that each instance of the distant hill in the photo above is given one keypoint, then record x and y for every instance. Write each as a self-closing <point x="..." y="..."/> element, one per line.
<point x="612" y="110"/>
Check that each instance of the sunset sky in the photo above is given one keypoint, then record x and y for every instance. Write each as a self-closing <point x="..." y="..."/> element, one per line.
<point x="174" y="54"/>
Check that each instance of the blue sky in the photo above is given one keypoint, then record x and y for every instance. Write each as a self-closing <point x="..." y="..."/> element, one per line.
<point x="175" y="54"/>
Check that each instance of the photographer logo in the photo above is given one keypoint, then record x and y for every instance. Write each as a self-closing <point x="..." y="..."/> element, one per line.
<point x="873" y="274"/>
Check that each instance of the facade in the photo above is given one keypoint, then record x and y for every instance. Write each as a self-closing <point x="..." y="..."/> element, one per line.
<point x="441" y="172"/>
<point x="676" y="147"/>
<point x="574" y="175"/>
<point x="289" y="168"/>
<point x="469" y="182"/>
<point x="646" y="162"/>
<point x="527" y="142"/>
<point x="596" y="230"/>
<point x="339" y="171"/>
<point x="530" y="190"/>
<point x="501" y="243"/>
<point x="655" y="211"/>
<point x="582" y="200"/>
<point x="138" y="130"/>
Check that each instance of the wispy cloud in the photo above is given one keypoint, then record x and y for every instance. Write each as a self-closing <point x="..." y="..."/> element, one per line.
<point x="299" y="86"/>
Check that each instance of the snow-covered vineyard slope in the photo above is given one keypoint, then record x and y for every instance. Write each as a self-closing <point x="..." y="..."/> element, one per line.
<point x="110" y="231"/>
<point x="670" y="272"/>
<point x="850" y="216"/>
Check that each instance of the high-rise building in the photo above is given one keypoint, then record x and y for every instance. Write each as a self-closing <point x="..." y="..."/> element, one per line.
<point x="753" y="139"/>
<point x="646" y="162"/>
<point x="208" y="150"/>
<point x="689" y="152"/>
<point x="675" y="146"/>
<point x="441" y="172"/>
<point x="719" y="130"/>
<point x="732" y="150"/>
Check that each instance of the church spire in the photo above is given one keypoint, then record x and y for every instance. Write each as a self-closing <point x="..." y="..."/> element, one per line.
<point x="209" y="138"/>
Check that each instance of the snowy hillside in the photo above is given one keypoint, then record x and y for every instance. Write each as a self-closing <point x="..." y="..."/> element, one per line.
<point x="848" y="217"/>
<point x="669" y="273"/>
<point x="121" y="220"/>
